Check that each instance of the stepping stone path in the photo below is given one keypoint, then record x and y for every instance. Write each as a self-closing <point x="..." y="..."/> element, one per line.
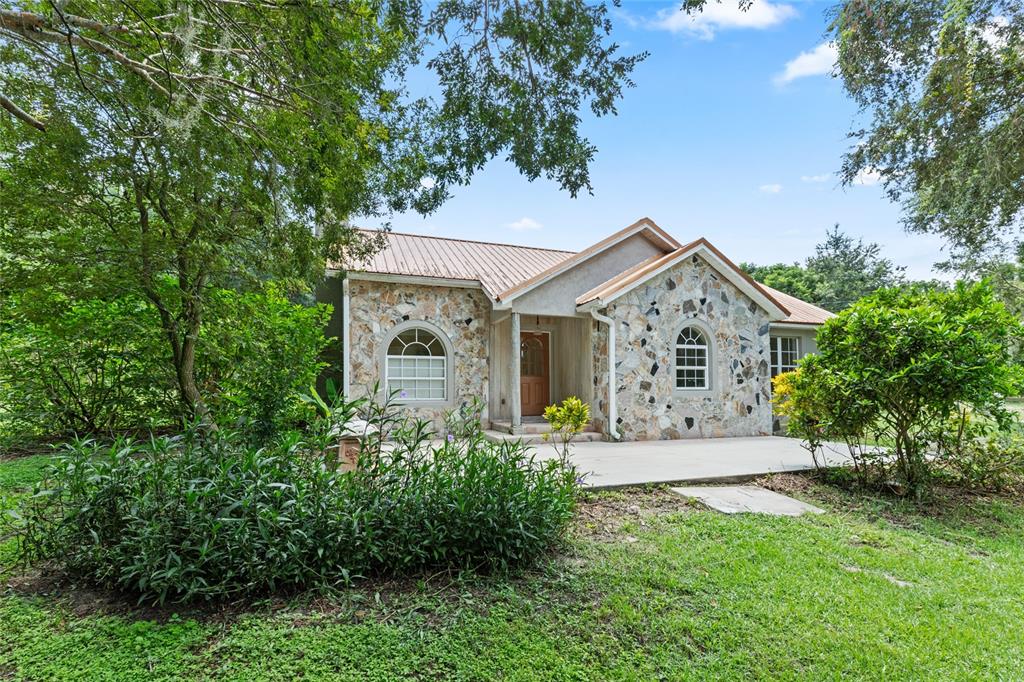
<point x="740" y="499"/>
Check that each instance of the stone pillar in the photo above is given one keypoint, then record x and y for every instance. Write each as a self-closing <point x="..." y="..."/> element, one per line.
<point x="514" y="377"/>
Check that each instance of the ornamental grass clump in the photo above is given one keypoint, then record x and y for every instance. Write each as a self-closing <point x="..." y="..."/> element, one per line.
<point x="203" y="516"/>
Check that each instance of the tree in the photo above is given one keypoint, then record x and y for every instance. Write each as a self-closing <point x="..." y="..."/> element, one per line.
<point x="165" y="151"/>
<point x="847" y="270"/>
<point x="895" y="367"/>
<point x="841" y="271"/>
<point x="795" y="279"/>
<point x="943" y="84"/>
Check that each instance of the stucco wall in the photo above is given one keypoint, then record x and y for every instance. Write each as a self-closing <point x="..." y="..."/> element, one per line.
<point x="463" y="315"/>
<point x="808" y="337"/>
<point x="558" y="296"/>
<point x="648" y="319"/>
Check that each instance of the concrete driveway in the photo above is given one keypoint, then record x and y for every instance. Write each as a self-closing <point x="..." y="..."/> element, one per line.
<point x="612" y="465"/>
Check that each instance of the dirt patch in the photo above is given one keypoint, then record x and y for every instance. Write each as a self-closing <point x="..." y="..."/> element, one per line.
<point x="785" y="484"/>
<point x="602" y="515"/>
<point x="430" y="599"/>
<point x="84" y="600"/>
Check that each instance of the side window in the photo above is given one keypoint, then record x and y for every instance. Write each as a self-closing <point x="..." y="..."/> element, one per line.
<point x="416" y="366"/>
<point x="692" y="353"/>
<point x="785" y="351"/>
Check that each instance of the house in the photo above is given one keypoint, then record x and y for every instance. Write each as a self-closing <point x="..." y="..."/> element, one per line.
<point x="663" y="339"/>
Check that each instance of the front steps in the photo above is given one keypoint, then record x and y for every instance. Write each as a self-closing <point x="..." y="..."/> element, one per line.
<point x="534" y="431"/>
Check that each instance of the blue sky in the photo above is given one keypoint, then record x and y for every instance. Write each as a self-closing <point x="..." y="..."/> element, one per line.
<point x="733" y="132"/>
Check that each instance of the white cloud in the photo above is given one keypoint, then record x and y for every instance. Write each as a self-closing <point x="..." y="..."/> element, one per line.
<point x="428" y="183"/>
<point x="867" y="177"/>
<point x="524" y="223"/>
<point x="720" y="16"/>
<point x="824" y="177"/>
<point x="817" y="62"/>
<point x="773" y="188"/>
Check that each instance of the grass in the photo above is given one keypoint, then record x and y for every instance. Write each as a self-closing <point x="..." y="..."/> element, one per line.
<point x="649" y="587"/>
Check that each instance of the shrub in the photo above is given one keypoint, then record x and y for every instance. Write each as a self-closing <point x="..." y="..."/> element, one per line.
<point x="894" y="368"/>
<point x="193" y="517"/>
<point x="974" y="453"/>
<point x="88" y="366"/>
<point x="100" y="366"/>
<point x="258" y="353"/>
<point x="567" y="421"/>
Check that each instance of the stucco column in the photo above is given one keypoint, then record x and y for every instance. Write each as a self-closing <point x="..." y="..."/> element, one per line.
<point x="514" y="372"/>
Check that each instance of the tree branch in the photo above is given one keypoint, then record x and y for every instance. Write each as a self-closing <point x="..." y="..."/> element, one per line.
<point x="21" y="114"/>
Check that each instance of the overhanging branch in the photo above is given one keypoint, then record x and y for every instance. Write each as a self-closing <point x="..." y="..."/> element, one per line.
<point x="21" y="114"/>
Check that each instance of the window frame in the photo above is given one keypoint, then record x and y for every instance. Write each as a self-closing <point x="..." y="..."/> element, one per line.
<point x="709" y="355"/>
<point x="447" y="361"/>
<point x="775" y="352"/>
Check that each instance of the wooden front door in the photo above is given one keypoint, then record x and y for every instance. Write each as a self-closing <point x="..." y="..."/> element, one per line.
<point x="534" y="372"/>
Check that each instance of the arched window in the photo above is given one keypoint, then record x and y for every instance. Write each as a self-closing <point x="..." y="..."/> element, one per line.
<point x="692" y="353"/>
<point x="416" y="366"/>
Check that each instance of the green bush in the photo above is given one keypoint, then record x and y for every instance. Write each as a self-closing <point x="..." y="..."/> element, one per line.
<point x="894" y="368"/>
<point x="258" y="353"/>
<point x="89" y="366"/>
<point x="973" y="452"/>
<point x="204" y="517"/>
<point x="101" y="366"/>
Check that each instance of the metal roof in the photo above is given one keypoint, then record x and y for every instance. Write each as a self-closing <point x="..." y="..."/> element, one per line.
<point x="800" y="312"/>
<point x="496" y="266"/>
<point x="500" y="268"/>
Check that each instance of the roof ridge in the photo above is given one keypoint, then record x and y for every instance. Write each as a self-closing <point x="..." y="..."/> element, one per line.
<point x="468" y="241"/>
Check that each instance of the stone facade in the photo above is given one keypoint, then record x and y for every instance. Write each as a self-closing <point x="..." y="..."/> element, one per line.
<point x="463" y="315"/>
<point x="648" y="320"/>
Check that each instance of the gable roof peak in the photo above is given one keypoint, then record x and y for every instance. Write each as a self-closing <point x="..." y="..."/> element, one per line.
<point x="645" y="227"/>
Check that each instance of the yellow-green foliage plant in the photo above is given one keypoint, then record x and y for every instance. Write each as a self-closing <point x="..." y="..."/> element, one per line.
<point x="567" y="421"/>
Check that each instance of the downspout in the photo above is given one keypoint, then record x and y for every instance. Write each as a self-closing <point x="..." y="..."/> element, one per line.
<point x="613" y="415"/>
<point x="346" y="365"/>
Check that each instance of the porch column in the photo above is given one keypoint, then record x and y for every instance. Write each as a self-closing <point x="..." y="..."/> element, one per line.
<point x="514" y="378"/>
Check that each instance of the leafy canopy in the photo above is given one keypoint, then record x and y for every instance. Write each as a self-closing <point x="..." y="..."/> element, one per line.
<point x="166" y="151"/>
<point x="841" y="271"/>
<point x="943" y="84"/>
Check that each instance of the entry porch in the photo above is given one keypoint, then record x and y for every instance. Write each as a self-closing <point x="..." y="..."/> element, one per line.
<point x="535" y="361"/>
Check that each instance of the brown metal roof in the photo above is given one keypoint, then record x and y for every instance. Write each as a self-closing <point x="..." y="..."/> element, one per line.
<point x="504" y="268"/>
<point x="496" y="266"/>
<point x="800" y="312"/>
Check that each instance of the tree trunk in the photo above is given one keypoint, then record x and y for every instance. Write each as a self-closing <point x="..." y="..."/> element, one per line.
<point x="182" y="330"/>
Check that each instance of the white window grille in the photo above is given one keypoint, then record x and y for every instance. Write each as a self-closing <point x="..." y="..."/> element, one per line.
<point x="785" y="351"/>
<point x="416" y="366"/>
<point x="692" y="360"/>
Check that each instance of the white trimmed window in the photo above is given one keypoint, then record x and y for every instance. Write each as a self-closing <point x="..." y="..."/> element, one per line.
<point x="692" y="360"/>
<point x="785" y="352"/>
<point x="416" y="366"/>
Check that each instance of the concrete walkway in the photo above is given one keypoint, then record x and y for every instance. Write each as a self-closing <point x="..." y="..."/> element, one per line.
<point x="712" y="460"/>
<point x="746" y="499"/>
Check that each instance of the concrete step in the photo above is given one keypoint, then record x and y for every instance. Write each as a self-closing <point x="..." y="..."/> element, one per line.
<point x="532" y="427"/>
<point x="538" y="438"/>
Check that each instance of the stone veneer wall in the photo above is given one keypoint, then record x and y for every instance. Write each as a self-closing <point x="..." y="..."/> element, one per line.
<point x="648" y="319"/>
<point x="463" y="314"/>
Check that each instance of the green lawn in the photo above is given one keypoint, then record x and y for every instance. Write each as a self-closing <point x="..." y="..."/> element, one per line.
<point x="649" y="588"/>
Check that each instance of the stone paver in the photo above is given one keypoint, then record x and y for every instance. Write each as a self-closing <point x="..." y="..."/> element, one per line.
<point x="747" y="499"/>
<point x="712" y="460"/>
